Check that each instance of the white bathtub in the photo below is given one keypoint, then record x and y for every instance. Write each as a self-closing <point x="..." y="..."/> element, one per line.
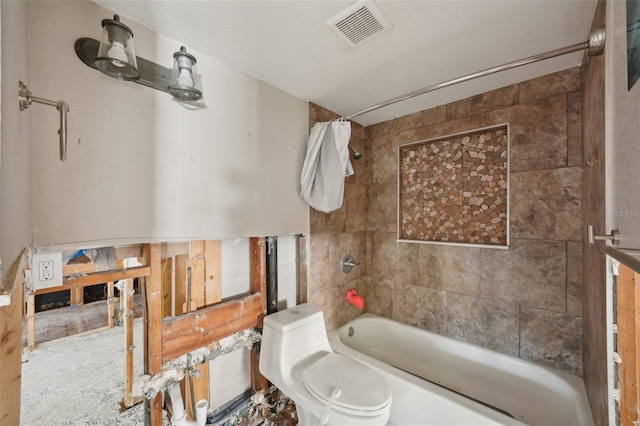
<point x="429" y="374"/>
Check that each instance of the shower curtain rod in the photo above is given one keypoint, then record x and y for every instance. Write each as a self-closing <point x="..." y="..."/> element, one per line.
<point x="594" y="47"/>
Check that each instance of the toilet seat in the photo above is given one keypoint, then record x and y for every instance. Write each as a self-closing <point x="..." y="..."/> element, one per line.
<point x="362" y="391"/>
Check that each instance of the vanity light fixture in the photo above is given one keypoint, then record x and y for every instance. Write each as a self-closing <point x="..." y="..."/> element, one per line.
<point x="114" y="55"/>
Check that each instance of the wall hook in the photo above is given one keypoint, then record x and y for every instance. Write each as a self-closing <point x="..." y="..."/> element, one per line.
<point x="25" y="99"/>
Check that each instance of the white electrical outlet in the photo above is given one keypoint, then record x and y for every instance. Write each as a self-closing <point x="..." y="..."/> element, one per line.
<point x="46" y="270"/>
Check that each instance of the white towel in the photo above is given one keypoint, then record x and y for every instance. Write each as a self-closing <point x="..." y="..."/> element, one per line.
<point x="326" y="165"/>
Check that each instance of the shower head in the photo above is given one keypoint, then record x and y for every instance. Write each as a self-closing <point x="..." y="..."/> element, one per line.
<point x="356" y="153"/>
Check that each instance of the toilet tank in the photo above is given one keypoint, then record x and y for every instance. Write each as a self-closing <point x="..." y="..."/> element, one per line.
<point x="289" y="337"/>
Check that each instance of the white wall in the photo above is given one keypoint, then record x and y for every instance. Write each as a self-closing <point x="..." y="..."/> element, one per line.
<point x="141" y="166"/>
<point x="15" y="142"/>
<point x="622" y="133"/>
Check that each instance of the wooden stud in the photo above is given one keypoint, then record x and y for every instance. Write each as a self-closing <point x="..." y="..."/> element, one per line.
<point x="166" y="287"/>
<point x="76" y="296"/>
<point x="197" y="283"/>
<point x="31" y="321"/>
<point x="111" y="304"/>
<point x="153" y="321"/>
<point x="258" y="285"/>
<point x="127" y="295"/>
<point x="180" y="297"/>
<point x="213" y="272"/>
<point x="11" y="347"/>
<point x="197" y="265"/>
<point x="628" y="315"/>
<point x="173" y="286"/>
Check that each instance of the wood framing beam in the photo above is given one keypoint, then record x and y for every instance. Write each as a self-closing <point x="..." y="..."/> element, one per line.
<point x="202" y="327"/>
<point x="11" y="346"/>
<point x="258" y="285"/>
<point x="153" y="323"/>
<point x="106" y="276"/>
<point x="127" y="296"/>
<point x="628" y="315"/>
<point x="31" y="321"/>
<point x="111" y="304"/>
<point x="213" y="268"/>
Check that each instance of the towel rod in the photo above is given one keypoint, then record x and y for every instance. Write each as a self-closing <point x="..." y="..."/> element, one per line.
<point x="594" y="46"/>
<point x="25" y="99"/>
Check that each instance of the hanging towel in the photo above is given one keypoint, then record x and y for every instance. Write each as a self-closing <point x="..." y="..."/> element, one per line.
<point x="326" y="165"/>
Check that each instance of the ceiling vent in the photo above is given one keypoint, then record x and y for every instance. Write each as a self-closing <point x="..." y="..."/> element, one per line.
<point x="361" y="22"/>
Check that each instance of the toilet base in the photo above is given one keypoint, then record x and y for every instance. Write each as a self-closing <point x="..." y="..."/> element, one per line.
<point x="309" y="418"/>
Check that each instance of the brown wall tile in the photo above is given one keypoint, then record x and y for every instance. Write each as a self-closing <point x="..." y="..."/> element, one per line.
<point x="531" y="272"/>
<point x="333" y="304"/>
<point x="379" y="299"/>
<point x="484" y="102"/>
<point x="547" y="204"/>
<point x="551" y="339"/>
<point x="420" y="307"/>
<point x="419" y="119"/>
<point x="539" y="134"/>
<point x="353" y="243"/>
<point x="550" y="85"/>
<point x="383" y="256"/>
<point x="355" y="206"/>
<point x="384" y="160"/>
<point x="443" y="129"/>
<point x="449" y="268"/>
<point x="382" y="211"/>
<point x="319" y="272"/>
<point x="380" y="129"/>
<point x="393" y="261"/>
<point x="574" y="129"/>
<point x="574" y="278"/>
<point x="489" y="323"/>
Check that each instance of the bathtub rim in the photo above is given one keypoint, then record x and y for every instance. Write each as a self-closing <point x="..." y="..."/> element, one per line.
<point x="573" y="382"/>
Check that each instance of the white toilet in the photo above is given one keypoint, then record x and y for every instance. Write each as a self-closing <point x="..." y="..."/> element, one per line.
<point x="327" y="388"/>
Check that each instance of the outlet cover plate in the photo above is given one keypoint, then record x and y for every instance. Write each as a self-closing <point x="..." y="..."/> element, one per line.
<point x="53" y="260"/>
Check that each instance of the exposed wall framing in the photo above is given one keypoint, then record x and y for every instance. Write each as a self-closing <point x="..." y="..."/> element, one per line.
<point x="181" y="285"/>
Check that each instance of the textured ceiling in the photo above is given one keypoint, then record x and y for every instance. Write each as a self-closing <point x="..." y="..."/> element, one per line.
<point x="289" y="45"/>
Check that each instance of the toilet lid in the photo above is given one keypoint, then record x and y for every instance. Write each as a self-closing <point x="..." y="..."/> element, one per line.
<point x="361" y="388"/>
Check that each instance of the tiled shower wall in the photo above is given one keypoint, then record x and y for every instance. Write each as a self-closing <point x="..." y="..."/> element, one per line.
<point x="341" y="232"/>
<point x="525" y="301"/>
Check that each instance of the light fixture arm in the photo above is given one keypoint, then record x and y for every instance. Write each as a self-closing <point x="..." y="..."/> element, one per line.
<point x="25" y="99"/>
<point x="151" y="74"/>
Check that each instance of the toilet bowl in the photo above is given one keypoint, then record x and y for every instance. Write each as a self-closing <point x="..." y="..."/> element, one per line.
<point x="327" y="388"/>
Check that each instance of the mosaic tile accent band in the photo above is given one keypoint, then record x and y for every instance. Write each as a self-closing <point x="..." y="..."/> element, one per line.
<point x="454" y="189"/>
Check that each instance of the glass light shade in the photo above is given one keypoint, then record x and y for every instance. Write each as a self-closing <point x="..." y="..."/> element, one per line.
<point x="116" y="56"/>
<point x="184" y="84"/>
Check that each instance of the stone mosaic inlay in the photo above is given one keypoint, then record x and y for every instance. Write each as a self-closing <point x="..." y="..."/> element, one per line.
<point x="453" y="189"/>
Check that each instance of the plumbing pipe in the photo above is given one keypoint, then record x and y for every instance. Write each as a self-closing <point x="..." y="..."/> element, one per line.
<point x="179" y="416"/>
<point x="272" y="275"/>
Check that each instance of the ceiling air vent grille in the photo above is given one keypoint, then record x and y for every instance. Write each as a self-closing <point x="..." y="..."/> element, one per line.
<point x="360" y="23"/>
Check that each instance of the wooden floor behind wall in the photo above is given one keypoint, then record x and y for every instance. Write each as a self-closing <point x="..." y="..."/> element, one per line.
<point x="56" y="323"/>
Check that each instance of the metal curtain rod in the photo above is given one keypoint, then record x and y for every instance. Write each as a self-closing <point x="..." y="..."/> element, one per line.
<point x="595" y="46"/>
